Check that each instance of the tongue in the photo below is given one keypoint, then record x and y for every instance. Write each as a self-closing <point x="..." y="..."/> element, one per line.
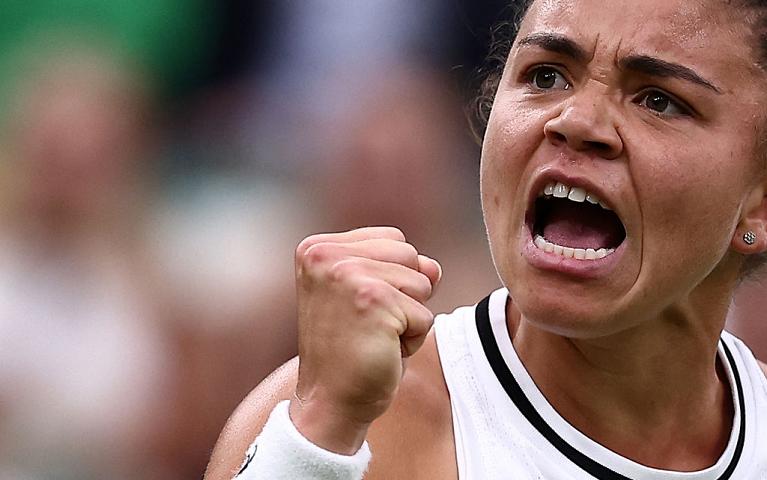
<point x="581" y="225"/>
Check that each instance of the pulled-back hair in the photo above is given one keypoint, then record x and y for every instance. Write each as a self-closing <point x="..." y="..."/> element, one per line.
<point x="759" y="27"/>
<point x="489" y="74"/>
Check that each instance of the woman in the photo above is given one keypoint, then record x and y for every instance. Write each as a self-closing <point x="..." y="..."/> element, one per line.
<point x="623" y="186"/>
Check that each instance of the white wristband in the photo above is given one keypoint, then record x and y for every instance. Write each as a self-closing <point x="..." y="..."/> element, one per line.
<point x="280" y="452"/>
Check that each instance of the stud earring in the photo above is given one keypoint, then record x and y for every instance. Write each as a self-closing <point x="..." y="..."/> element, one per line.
<point x="749" y="237"/>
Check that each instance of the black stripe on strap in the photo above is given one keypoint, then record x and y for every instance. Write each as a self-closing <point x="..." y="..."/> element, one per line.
<point x="513" y="389"/>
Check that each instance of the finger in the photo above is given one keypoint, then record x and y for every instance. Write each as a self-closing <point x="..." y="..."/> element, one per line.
<point x="412" y="283"/>
<point x="367" y="233"/>
<point x="419" y="322"/>
<point x="431" y="268"/>
<point x="409" y="320"/>
<point x="383" y="250"/>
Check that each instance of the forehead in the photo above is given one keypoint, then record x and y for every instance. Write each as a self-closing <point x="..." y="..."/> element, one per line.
<point x="712" y="35"/>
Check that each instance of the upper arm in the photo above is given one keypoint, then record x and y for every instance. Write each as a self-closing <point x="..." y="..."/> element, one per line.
<point x="248" y="419"/>
<point x="413" y="439"/>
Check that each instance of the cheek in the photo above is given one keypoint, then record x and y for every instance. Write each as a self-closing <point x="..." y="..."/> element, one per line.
<point x="510" y="143"/>
<point x="502" y="167"/>
<point x="513" y="135"/>
<point x="689" y="208"/>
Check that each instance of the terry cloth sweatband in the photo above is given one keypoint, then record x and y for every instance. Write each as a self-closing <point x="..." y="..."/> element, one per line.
<point x="280" y="452"/>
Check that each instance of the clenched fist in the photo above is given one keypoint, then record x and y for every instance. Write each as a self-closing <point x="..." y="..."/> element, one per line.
<point x="361" y="314"/>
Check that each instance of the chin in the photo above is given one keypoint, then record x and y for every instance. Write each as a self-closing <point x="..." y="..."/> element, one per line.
<point x="575" y="327"/>
<point x="569" y="314"/>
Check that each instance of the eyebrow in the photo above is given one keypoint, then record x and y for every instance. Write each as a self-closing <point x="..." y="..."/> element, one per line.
<point x="644" y="64"/>
<point x="556" y="43"/>
<point x="660" y="68"/>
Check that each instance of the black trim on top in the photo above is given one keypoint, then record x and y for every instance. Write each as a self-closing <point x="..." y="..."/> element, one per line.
<point x="251" y="454"/>
<point x="513" y="389"/>
<point x="742" y="404"/>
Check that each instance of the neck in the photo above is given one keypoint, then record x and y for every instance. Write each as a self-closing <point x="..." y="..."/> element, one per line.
<point x="662" y="381"/>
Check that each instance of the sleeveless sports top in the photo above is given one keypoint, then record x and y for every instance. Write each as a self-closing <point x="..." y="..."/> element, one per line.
<point x="505" y="429"/>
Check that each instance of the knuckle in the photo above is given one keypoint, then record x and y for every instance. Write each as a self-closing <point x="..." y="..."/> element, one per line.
<point x="395" y="233"/>
<point x="304" y="245"/>
<point x="316" y="254"/>
<point x="411" y="251"/>
<point x="419" y="288"/>
<point x="343" y="270"/>
<point x="369" y="295"/>
<point x="408" y="255"/>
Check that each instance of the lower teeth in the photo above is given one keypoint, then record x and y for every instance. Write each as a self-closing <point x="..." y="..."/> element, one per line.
<point x="569" y="252"/>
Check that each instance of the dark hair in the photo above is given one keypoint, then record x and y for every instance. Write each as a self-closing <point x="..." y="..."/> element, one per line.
<point x="751" y="268"/>
<point x="759" y="28"/>
<point x="503" y="34"/>
<point x="488" y="76"/>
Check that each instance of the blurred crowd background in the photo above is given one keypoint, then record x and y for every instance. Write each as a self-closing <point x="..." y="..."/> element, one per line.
<point x="159" y="162"/>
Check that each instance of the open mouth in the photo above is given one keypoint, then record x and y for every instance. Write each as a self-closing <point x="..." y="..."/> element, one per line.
<point x="574" y="223"/>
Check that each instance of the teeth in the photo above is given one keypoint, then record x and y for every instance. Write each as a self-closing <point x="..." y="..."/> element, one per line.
<point x="561" y="190"/>
<point x="575" y="194"/>
<point x="570" y="252"/>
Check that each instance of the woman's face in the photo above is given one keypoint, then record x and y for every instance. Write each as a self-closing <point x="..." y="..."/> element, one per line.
<point x="653" y="107"/>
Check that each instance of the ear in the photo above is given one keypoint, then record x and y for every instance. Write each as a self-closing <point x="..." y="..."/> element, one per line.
<point x="753" y="219"/>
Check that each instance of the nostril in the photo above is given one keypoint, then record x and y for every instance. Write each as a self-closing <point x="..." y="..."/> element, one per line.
<point x="557" y="137"/>
<point x="597" y="146"/>
<point x="583" y="136"/>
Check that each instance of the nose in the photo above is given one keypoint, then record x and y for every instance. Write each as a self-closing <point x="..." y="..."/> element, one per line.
<point x="586" y="124"/>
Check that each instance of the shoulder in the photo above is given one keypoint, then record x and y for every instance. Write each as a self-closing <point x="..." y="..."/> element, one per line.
<point x="248" y="419"/>
<point x="764" y="367"/>
<point x="413" y="439"/>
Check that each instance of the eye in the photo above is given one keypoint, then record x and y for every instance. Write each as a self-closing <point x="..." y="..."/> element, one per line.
<point x="663" y="104"/>
<point x="547" y="78"/>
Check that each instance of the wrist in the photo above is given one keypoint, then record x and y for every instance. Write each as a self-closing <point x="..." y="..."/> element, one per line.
<point x="281" y="452"/>
<point x="327" y="427"/>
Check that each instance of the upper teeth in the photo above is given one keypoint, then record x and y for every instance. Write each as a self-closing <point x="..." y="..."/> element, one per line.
<point x="576" y="194"/>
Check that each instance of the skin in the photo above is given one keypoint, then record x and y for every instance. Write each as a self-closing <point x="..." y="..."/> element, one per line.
<point x="630" y="333"/>
<point x="629" y="346"/>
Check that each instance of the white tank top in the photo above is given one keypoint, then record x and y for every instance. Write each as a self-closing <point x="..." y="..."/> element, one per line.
<point x="505" y="429"/>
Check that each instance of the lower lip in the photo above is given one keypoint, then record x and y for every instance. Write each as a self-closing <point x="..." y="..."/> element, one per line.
<point x="583" y="269"/>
